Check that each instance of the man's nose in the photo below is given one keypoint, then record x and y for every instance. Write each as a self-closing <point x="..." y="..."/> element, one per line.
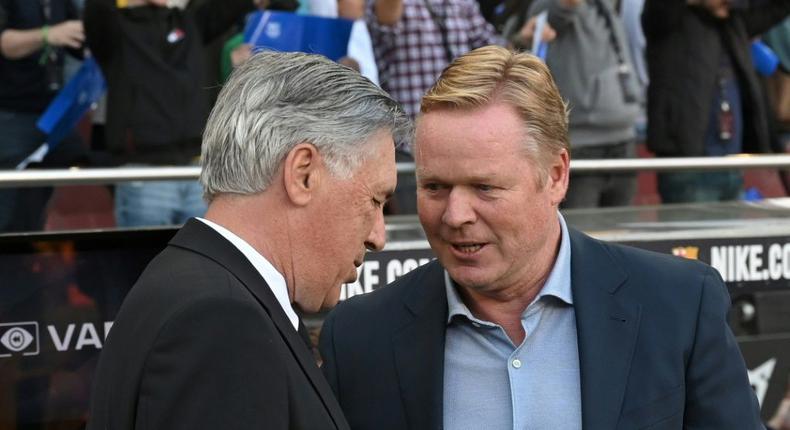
<point x="459" y="209"/>
<point x="378" y="235"/>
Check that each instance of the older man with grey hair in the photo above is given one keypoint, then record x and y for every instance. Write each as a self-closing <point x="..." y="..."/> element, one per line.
<point x="298" y="160"/>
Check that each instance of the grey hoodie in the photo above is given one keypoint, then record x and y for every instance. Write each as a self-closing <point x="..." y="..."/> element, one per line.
<point x="585" y="68"/>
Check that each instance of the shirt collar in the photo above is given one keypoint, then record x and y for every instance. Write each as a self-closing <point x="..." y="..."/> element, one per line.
<point x="558" y="283"/>
<point x="273" y="278"/>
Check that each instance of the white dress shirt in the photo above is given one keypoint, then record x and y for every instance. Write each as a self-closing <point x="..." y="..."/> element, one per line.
<point x="273" y="278"/>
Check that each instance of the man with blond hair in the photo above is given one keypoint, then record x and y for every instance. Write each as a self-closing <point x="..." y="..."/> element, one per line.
<point x="524" y="322"/>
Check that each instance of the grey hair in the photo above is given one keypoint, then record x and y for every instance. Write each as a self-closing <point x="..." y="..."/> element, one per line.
<point x="275" y="101"/>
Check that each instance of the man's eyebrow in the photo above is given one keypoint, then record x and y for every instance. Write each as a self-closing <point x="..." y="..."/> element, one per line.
<point x="473" y="179"/>
<point x="422" y="175"/>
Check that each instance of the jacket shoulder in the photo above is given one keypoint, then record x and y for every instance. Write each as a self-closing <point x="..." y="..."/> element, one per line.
<point x="384" y="301"/>
<point x="652" y="275"/>
<point x="652" y="264"/>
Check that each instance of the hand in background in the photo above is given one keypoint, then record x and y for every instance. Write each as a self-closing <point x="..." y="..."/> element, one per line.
<point x="350" y="63"/>
<point x="718" y="8"/>
<point x="528" y="32"/>
<point x="69" y="34"/>
<point x="241" y="54"/>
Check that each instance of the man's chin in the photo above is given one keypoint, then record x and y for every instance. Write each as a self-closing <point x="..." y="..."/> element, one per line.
<point x="468" y="277"/>
<point x="352" y="277"/>
<point x="328" y="305"/>
<point x="333" y="298"/>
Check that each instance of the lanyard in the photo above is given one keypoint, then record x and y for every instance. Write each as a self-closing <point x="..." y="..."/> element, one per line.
<point x="441" y="23"/>
<point x="604" y="11"/>
<point x="623" y="68"/>
<point x="49" y="58"/>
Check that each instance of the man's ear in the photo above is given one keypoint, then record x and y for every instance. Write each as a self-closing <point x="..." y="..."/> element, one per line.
<point x="558" y="175"/>
<point x="302" y="171"/>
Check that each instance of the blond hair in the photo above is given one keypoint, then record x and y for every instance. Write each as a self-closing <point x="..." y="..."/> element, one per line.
<point x="494" y="74"/>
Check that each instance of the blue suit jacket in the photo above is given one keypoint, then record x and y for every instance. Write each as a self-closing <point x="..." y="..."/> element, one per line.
<point x="655" y="350"/>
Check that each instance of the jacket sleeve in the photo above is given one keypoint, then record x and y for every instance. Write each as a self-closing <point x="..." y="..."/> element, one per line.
<point x="760" y="19"/>
<point x="326" y="346"/>
<point x="482" y="32"/>
<point x="3" y="15"/>
<point x="102" y="27"/>
<point x="215" y="17"/>
<point x="215" y="365"/>
<point x="661" y="17"/>
<point x="718" y="393"/>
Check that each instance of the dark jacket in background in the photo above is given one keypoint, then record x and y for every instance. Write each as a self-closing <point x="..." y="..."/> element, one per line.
<point x="684" y="47"/>
<point x="25" y="84"/>
<point x="154" y="63"/>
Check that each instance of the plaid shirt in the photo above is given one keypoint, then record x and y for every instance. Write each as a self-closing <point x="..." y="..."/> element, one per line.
<point x="411" y="54"/>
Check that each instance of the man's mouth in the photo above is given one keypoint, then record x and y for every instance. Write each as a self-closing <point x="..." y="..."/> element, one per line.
<point x="468" y="248"/>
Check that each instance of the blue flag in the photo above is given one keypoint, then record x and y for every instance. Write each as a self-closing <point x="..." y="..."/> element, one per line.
<point x="67" y="108"/>
<point x="288" y="32"/>
<point x="539" y="47"/>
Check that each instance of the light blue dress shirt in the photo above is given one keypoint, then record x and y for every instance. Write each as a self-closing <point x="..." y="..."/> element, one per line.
<point x="490" y="383"/>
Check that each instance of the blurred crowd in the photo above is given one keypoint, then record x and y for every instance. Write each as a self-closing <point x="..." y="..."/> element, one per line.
<point x="687" y="78"/>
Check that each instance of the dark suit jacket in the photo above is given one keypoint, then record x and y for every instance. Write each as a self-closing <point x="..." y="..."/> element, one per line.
<point x="654" y="346"/>
<point x="201" y="342"/>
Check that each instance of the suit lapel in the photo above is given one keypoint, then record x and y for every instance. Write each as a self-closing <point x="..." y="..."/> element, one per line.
<point x="198" y="237"/>
<point x="418" y="347"/>
<point x="606" y="326"/>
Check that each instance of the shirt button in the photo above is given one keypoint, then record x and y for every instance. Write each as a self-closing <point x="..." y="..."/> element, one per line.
<point x="477" y="325"/>
<point x="517" y="363"/>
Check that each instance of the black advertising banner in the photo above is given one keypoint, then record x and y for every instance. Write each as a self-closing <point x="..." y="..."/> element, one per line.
<point x="768" y="360"/>
<point x="746" y="264"/>
<point x="59" y="294"/>
<point x="381" y="268"/>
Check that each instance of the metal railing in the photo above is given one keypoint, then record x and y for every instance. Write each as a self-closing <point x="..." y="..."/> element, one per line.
<point x="79" y="176"/>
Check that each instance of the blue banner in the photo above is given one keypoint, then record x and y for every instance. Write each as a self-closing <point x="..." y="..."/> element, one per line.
<point x="67" y="108"/>
<point x="289" y="32"/>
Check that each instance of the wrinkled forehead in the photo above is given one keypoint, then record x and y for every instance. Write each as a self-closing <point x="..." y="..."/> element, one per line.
<point x="378" y="169"/>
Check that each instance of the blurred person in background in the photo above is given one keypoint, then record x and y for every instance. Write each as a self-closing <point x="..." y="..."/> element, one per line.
<point x="631" y="16"/>
<point x="34" y="39"/>
<point x="778" y="91"/>
<point x="234" y="50"/>
<point x="360" y="49"/>
<point x="778" y="39"/>
<point x="152" y="55"/>
<point x="591" y="63"/>
<point x="520" y="29"/>
<point x="704" y="97"/>
<point x="414" y="40"/>
<point x="360" y="46"/>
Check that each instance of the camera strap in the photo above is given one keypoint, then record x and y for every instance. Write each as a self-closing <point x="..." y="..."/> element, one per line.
<point x="623" y="68"/>
<point x="49" y="58"/>
<point x="441" y="24"/>
<point x="604" y="11"/>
